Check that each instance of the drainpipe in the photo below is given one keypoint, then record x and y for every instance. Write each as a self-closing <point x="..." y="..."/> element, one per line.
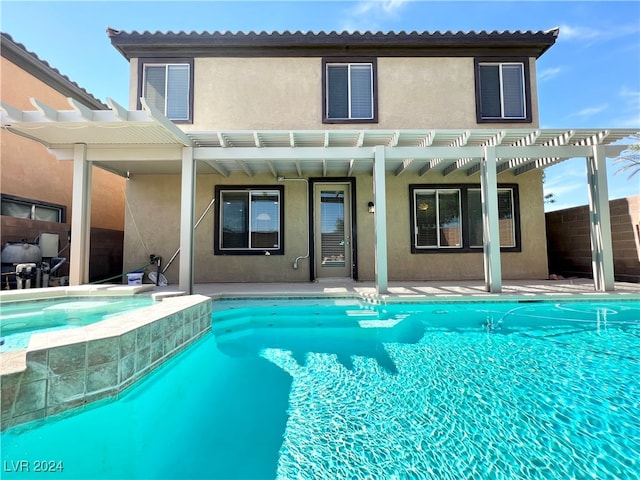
<point x="302" y="257"/>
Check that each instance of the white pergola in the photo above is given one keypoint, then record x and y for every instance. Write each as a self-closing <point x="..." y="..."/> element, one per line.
<point x="143" y="141"/>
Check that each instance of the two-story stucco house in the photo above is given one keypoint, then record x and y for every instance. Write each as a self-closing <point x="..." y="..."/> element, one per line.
<point x="373" y="156"/>
<point x="36" y="189"/>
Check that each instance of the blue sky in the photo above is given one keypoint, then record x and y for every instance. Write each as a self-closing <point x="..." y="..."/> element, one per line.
<point x="589" y="79"/>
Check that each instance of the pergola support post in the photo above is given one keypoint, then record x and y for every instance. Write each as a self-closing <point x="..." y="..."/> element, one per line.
<point x="490" y="221"/>
<point x="380" y="220"/>
<point x="187" y="201"/>
<point x="600" y="221"/>
<point x="80" y="217"/>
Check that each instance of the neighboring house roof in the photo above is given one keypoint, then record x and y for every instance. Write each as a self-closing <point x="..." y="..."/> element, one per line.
<point x="28" y="61"/>
<point x="135" y="44"/>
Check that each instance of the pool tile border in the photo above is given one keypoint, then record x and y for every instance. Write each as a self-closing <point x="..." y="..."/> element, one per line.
<point x="68" y="369"/>
<point x="383" y="298"/>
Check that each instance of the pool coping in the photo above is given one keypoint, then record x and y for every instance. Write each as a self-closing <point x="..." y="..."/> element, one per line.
<point x="68" y="369"/>
<point x="26" y="294"/>
<point x="385" y="299"/>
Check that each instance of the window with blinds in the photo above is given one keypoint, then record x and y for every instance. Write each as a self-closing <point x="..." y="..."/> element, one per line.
<point x="333" y="242"/>
<point x="502" y="91"/>
<point x="349" y="92"/>
<point x="437" y="218"/>
<point x="167" y="87"/>
<point x="449" y="218"/>
<point x="249" y="221"/>
<point x="506" y="217"/>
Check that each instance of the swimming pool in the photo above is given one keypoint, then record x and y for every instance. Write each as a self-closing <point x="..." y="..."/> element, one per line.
<point x="346" y="390"/>
<point x="20" y="319"/>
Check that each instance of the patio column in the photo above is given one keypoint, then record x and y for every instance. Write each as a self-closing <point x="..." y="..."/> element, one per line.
<point x="80" y="217"/>
<point x="187" y="200"/>
<point x="380" y="221"/>
<point x="490" y="222"/>
<point x="600" y="221"/>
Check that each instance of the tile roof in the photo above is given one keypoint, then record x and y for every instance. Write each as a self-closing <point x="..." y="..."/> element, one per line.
<point x="17" y="53"/>
<point x="134" y="41"/>
<point x="344" y="35"/>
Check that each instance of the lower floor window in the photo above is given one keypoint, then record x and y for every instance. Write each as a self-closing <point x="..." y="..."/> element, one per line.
<point x="32" y="209"/>
<point x="506" y="217"/>
<point x="249" y="220"/>
<point x="449" y="218"/>
<point x="437" y="218"/>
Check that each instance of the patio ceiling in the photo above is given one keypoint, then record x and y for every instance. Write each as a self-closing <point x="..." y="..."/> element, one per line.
<point x="145" y="142"/>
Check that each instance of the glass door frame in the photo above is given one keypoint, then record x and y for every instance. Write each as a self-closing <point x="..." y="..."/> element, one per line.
<point x="312" y="223"/>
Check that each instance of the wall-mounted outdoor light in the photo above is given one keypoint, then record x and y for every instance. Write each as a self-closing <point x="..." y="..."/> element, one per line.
<point x="372" y="208"/>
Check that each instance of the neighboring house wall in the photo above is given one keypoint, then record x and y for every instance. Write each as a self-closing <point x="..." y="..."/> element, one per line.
<point x="569" y="240"/>
<point x="30" y="172"/>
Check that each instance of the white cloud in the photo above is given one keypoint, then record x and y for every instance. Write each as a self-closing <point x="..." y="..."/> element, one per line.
<point x="567" y="181"/>
<point x="630" y="121"/>
<point x="366" y="14"/>
<point x="630" y="118"/>
<point x="632" y="95"/>
<point x="562" y="190"/>
<point x="590" y="111"/>
<point x="568" y="32"/>
<point x="549" y="73"/>
<point x="379" y="6"/>
<point x="589" y="35"/>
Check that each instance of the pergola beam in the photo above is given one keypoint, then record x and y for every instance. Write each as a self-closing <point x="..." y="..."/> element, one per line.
<point x="217" y="167"/>
<point x="85" y="112"/>
<point x="490" y="221"/>
<point x="118" y="110"/>
<point x="600" y="221"/>
<point x="283" y="153"/>
<point x="272" y="168"/>
<point x="352" y="164"/>
<point x="166" y="123"/>
<point x="187" y="202"/>
<point x="49" y="112"/>
<point x="380" y="221"/>
<point x="246" y="168"/>
<point x="403" y="167"/>
<point x="80" y="217"/>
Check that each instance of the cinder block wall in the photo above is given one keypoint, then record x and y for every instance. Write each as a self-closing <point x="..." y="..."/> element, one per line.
<point x="105" y="256"/>
<point x="569" y="240"/>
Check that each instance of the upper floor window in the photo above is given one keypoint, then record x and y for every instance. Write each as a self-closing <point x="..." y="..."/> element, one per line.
<point x="32" y="209"/>
<point x="502" y="90"/>
<point x="349" y="92"/>
<point x="249" y="220"/>
<point x="168" y="86"/>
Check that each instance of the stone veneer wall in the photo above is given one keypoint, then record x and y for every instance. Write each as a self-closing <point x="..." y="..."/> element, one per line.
<point x="70" y="368"/>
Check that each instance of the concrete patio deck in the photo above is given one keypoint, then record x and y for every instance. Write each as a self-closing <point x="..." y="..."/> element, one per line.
<point x="411" y="291"/>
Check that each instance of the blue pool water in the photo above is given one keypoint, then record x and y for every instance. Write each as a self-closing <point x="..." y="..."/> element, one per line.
<point x="19" y="320"/>
<point x="345" y="390"/>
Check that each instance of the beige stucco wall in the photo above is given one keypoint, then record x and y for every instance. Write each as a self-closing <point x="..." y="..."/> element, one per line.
<point x="530" y="263"/>
<point x="30" y="171"/>
<point x="286" y="93"/>
<point x="155" y="211"/>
